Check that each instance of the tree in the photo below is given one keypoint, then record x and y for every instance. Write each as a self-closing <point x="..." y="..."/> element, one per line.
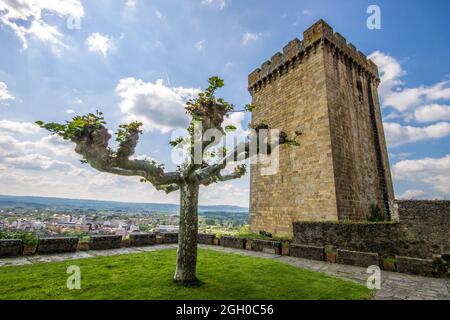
<point x="207" y="113"/>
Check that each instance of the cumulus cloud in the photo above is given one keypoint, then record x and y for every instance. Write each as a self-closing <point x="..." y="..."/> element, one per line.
<point x="432" y="171"/>
<point x="4" y="93"/>
<point x="13" y="127"/>
<point x="221" y="4"/>
<point x="250" y="37"/>
<point x="405" y="99"/>
<point x="158" y="106"/>
<point x="396" y="134"/>
<point x="159" y="14"/>
<point x="14" y="12"/>
<point x="412" y="194"/>
<point x="97" y="42"/>
<point x="432" y="113"/>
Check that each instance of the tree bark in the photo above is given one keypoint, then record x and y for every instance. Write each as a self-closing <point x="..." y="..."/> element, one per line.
<point x="187" y="237"/>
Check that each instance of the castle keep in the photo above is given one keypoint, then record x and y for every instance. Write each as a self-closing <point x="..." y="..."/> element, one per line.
<point x="325" y="89"/>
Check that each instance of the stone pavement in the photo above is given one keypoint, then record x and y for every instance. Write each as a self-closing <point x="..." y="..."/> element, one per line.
<point x="394" y="286"/>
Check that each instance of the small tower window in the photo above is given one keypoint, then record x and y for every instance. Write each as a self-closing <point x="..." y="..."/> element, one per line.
<point x="360" y="90"/>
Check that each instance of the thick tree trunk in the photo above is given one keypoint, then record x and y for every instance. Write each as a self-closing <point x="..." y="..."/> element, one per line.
<point x="187" y="237"/>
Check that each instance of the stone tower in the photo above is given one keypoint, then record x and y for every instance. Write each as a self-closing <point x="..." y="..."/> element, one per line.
<point x="327" y="90"/>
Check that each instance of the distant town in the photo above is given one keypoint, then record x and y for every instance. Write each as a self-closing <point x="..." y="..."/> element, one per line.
<point x="45" y="219"/>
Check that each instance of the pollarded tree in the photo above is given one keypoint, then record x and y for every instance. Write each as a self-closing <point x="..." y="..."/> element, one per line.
<point x="207" y="113"/>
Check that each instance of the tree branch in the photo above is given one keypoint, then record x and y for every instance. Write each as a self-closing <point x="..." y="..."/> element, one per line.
<point x="93" y="146"/>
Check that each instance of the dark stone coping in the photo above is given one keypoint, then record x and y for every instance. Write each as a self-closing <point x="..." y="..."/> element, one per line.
<point x="169" y="237"/>
<point x="357" y="258"/>
<point x="104" y="242"/>
<point x="206" y="238"/>
<point x="57" y="245"/>
<point x="145" y="239"/>
<point x="233" y="242"/>
<point x="10" y="248"/>
<point x="268" y="246"/>
<point x="307" y="252"/>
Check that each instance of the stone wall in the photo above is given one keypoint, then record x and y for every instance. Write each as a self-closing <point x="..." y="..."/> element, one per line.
<point x="138" y="240"/>
<point x="232" y="242"/>
<point x="57" y="245"/>
<point x="10" y="248"/>
<point x="104" y="242"/>
<point x="267" y="246"/>
<point x="205" y="238"/>
<point x="422" y="231"/>
<point x="169" y="237"/>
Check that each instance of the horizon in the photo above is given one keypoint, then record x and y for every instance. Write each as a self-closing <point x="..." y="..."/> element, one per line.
<point x="142" y="60"/>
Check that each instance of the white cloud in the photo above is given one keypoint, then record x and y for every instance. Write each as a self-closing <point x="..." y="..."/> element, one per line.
<point x="432" y="113"/>
<point x="249" y="37"/>
<point x="13" y="127"/>
<point x="221" y="4"/>
<point x="391" y="87"/>
<point x="14" y="12"/>
<point x="306" y="12"/>
<point x="130" y="4"/>
<point x="432" y="171"/>
<point x="158" y="14"/>
<point x="200" y="45"/>
<point x="97" y="42"/>
<point x="4" y="93"/>
<point x="396" y="134"/>
<point x="412" y="194"/>
<point x="158" y="106"/>
<point x="70" y="111"/>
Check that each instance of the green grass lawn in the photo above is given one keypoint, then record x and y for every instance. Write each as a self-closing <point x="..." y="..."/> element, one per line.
<point x="149" y="276"/>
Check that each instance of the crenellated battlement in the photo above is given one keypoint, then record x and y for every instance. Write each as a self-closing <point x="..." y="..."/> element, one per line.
<point x="319" y="34"/>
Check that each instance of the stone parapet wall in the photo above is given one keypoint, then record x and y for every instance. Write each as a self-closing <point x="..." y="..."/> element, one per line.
<point x="267" y="246"/>
<point x="169" y="237"/>
<point x="232" y="242"/>
<point x="307" y="252"/>
<point x="206" y="238"/>
<point x="138" y="240"/>
<point x="104" y="242"/>
<point x="10" y="248"/>
<point x="57" y="245"/>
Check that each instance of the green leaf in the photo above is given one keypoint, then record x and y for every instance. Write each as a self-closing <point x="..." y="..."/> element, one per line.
<point x="250" y="107"/>
<point x="230" y="128"/>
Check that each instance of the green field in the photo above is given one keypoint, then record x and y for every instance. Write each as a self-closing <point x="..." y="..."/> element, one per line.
<point x="149" y="276"/>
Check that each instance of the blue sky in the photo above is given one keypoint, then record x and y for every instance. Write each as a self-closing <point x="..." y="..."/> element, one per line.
<point x="140" y="59"/>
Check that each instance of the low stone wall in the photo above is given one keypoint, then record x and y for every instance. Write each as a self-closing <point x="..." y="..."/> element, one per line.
<point x="232" y="242"/>
<point x="355" y="258"/>
<point x="206" y="238"/>
<point x="307" y="252"/>
<point x="10" y="248"/>
<point x="57" y="245"/>
<point x="104" y="242"/>
<point x="169" y="237"/>
<point x="423" y="267"/>
<point x="421" y="232"/>
<point x="141" y="240"/>
<point x="267" y="246"/>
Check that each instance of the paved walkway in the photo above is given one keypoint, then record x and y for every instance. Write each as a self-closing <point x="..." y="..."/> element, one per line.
<point x="394" y="286"/>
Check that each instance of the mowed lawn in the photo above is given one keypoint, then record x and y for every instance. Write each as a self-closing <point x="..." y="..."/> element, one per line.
<point x="149" y="276"/>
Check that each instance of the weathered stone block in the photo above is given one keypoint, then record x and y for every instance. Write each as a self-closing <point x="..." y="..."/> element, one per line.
<point x="169" y="237"/>
<point x="267" y="246"/>
<point x="206" y="238"/>
<point x="105" y="242"/>
<point x="232" y="242"/>
<point x="141" y="240"/>
<point x="10" y="248"/>
<point x="57" y="245"/>
<point x="356" y="258"/>
<point x="423" y="267"/>
<point x="307" y="252"/>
